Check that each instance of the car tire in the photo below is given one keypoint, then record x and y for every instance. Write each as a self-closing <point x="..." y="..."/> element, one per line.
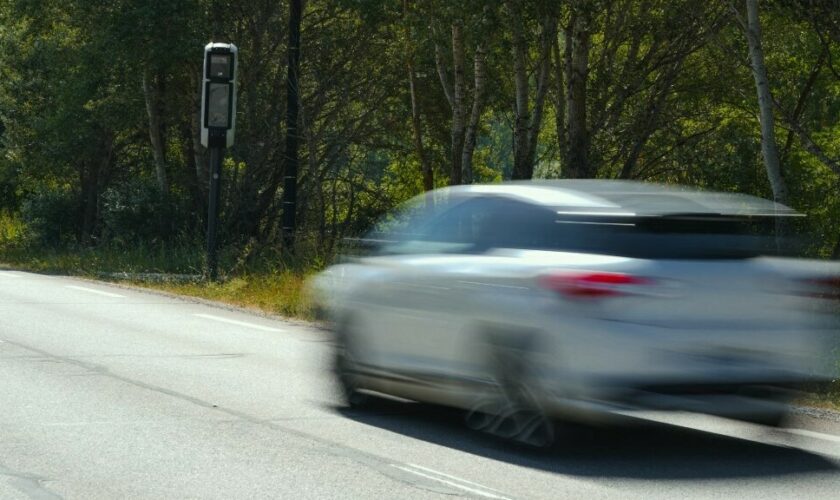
<point x="774" y="420"/>
<point x="346" y="368"/>
<point x="512" y="411"/>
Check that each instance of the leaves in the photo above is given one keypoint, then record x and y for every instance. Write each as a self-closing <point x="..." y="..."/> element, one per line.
<point x="667" y="95"/>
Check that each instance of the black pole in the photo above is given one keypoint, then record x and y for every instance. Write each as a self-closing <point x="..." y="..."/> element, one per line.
<point x="292" y="99"/>
<point x="213" y="211"/>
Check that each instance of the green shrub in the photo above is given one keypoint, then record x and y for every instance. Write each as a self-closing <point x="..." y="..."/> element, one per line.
<point x="51" y="217"/>
<point x="11" y="229"/>
<point x="136" y="211"/>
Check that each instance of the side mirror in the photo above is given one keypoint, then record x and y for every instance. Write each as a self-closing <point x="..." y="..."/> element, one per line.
<point x="361" y="247"/>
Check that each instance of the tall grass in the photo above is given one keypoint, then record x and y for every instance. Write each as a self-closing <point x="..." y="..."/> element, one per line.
<point x="281" y="293"/>
<point x="11" y="229"/>
<point x="97" y="261"/>
<point x="256" y="277"/>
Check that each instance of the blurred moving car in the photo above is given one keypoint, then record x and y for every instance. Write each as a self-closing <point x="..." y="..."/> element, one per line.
<point x="521" y="302"/>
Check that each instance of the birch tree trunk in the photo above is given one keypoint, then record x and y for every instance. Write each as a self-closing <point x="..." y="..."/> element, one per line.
<point x="475" y="116"/>
<point x="458" y="112"/>
<point x="559" y="96"/>
<point x="417" y="129"/>
<point x="548" y="33"/>
<point x="463" y="135"/>
<point x="765" y="104"/>
<point x="151" y="93"/>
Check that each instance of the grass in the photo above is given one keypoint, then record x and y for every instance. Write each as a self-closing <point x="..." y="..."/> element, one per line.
<point x="282" y="293"/>
<point x="826" y="401"/>
<point x="267" y="284"/>
<point x="176" y="270"/>
<point x="826" y="396"/>
<point x="93" y="262"/>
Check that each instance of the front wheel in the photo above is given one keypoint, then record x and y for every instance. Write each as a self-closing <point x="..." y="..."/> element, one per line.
<point x="346" y="370"/>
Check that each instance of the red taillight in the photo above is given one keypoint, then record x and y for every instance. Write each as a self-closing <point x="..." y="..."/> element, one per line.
<point x="593" y="284"/>
<point x="826" y="288"/>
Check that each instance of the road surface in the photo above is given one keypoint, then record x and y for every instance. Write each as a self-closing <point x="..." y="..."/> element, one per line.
<point x="108" y="392"/>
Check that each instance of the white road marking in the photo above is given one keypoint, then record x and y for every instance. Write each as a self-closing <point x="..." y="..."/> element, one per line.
<point x="814" y="434"/>
<point x="484" y="491"/>
<point x="452" y="477"/>
<point x="98" y="292"/>
<point x="98" y="422"/>
<point x="238" y="323"/>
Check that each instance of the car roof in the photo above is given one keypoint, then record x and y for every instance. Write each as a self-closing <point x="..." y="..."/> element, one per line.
<point x="627" y="198"/>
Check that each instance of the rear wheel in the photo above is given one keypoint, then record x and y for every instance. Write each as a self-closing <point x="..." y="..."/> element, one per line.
<point x="770" y="419"/>
<point x="773" y="404"/>
<point x="512" y="410"/>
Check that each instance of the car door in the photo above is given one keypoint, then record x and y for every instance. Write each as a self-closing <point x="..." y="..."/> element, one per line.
<point x="385" y="284"/>
<point x="435" y="295"/>
<point x="454" y="296"/>
<point x="412" y="302"/>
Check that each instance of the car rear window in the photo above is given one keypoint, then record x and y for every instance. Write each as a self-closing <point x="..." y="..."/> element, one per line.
<point x="676" y="236"/>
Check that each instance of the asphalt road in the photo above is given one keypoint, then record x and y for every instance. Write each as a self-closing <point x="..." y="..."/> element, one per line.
<point x="107" y="392"/>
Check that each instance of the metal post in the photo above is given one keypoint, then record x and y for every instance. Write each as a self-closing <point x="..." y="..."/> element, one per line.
<point x="213" y="211"/>
<point x="292" y="101"/>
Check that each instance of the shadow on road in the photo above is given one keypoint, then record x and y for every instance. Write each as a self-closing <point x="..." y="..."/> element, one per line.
<point x="635" y="450"/>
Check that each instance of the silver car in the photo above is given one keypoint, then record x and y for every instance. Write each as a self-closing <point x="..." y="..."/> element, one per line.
<point x="523" y="302"/>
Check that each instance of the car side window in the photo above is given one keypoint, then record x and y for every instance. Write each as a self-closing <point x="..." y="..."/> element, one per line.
<point x="452" y="228"/>
<point x="513" y="224"/>
<point x="472" y="225"/>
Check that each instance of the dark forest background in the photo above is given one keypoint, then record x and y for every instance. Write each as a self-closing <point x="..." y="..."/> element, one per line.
<point x="99" y="100"/>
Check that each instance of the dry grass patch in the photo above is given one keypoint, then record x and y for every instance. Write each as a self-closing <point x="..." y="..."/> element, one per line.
<point x="282" y="293"/>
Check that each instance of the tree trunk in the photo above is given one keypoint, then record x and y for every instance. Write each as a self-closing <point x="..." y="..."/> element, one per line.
<point x="559" y="97"/>
<point x="458" y="113"/>
<point x="92" y="178"/>
<point x="292" y="102"/>
<point x="521" y="109"/>
<point x="89" y="201"/>
<point x="765" y="104"/>
<point x="577" y="72"/>
<point x="548" y="32"/>
<point x="417" y="129"/>
<point x="151" y="93"/>
<point x="202" y="176"/>
<point x="463" y="136"/>
<point x="475" y="116"/>
<point x="416" y="123"/>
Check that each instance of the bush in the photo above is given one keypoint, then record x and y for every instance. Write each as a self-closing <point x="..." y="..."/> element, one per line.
<point x="51" y="216"/>
<point x="11" y="229"/>
<point x="136" y="211"/>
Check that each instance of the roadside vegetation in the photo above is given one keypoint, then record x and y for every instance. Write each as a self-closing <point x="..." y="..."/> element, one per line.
<point x="265" y="283"/>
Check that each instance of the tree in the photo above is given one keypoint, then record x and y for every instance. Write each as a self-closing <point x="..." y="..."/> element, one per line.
<point x="290" y="177"/>
<point x="462" y="132"/>
<point x="99" y="109"/>
<point x="577" y="70"/>
<point x="528" y="120"/>
<point x="765" y="103"/>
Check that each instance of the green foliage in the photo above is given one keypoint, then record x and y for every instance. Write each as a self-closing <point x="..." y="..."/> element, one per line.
<point x="12" y="230"/>
<point x="136" y="211"/>
<point x="669" y="97"/>
<point x="50" y="218"/>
